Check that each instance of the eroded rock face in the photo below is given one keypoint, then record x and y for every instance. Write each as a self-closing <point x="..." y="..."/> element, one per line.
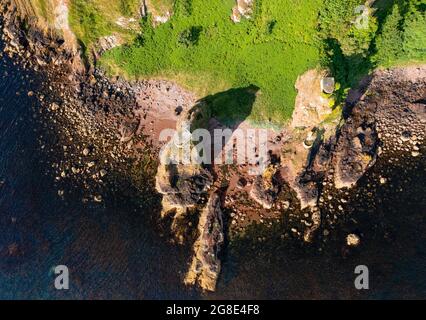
<point x="306" y="190"/>
<point x="305" y="159"/>
<point x="311" y="107"/>
<point x="107" y="43"/>
<point x="183" y="183"/>
<point x="242" y="9"/>
<point x="206" y="265"/>
<point x="127" y="129"/>
<point x="185" y="187"/>
<point x="392" y="110"/>
<point x="355" y="154"/>
<point x="41" y="43"/>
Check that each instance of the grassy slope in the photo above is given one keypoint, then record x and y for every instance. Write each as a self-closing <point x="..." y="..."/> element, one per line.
<point x="161" y="5"/>
<point x="203" y="50"/>
<point x="92" y="19"/>
<point x="45" y="9"/>
<point x="269" y="51"/>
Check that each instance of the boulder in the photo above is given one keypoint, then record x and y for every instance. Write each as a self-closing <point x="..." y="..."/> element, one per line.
<point x="328" y="85"/>
<point x="265" y="188"/>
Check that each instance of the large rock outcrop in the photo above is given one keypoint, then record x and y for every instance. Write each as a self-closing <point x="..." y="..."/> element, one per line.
<point x="185" y="186"/>
<point x="392" y="109"/>
<point x="205" y="266"/>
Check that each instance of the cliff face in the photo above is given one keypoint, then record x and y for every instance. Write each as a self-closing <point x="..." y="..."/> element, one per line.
<point x="390" y="110"/>
<point x="48" y="16"/>
<point x="206" y="265"/>
<point x="44" y="38"/>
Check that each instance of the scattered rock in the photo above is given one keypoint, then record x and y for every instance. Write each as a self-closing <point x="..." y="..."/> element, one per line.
<point x="352" y="240"/>
<point x="242" y="183"/>
<point x="286" y="205"/>
<point x="54" y="106"/>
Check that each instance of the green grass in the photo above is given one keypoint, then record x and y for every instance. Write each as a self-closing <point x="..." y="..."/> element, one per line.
<point x="43" y="9"/>
<point x="93" y="19"/>
<point x="209" y="54"/>
<point x="204" y="51"/>
<point x="161" y="6"/>
<point x="128" y="8"/>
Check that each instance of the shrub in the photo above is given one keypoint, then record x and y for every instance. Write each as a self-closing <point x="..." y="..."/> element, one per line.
<point x="388" y="43"/>
<point x="190" y="37"/>
<point x="403" y="36"/>
<point x="414" y="44"/>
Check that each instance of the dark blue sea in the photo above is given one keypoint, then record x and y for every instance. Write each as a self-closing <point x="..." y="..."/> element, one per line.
<point x="111" y="252"/>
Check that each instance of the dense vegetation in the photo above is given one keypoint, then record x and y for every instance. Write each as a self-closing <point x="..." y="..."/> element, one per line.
<point x="205" y="51"/>
<point x="394" y="33"/>
<point x="403" y="37"/>
<point x="202" y="49"/>
<point x="93" y="19"/>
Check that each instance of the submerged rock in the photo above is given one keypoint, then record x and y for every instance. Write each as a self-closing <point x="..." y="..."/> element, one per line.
<point x="352" y="240"/>
<point x="316" y="223"/>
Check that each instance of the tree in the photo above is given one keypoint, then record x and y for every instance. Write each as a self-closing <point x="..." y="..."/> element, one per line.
<point x="340" y="20"/>
<point x="388" y="43"/>
<point x="414" y="44"/>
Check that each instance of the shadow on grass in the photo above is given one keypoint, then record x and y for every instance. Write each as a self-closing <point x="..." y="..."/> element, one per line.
<point x="232" y="106"/>
<point x="229" y="108"/>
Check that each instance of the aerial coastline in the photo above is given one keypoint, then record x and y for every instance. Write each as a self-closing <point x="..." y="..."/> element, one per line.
<point x="326" y="154"/>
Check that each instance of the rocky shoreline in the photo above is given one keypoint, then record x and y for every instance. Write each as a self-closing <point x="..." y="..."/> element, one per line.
<point x="104" y="126"/>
